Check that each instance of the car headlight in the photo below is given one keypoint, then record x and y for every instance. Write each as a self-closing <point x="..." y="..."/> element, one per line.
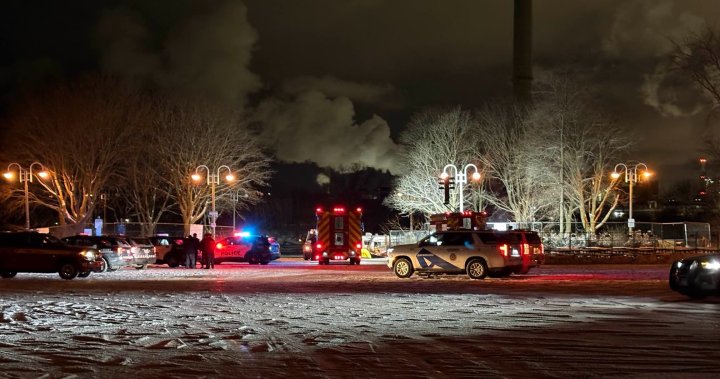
<point x="679" y="264"/>
<point x="712" y="265"/>
<point x="88" y="254"/>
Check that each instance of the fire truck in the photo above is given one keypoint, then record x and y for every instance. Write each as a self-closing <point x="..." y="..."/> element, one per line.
<point x="339" y="235"/>
<point x="459" y="220"/>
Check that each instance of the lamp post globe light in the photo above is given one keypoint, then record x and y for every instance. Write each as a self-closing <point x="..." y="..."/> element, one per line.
<point x="212" y="179"/>
<point x="631" y="177"/>
<point x="25" y="175"/>
<point x="461" y="178"/>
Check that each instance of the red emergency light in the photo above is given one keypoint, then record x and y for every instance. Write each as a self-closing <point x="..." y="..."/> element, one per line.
<point x="339" y="209"/>
<point x="218" y="245"/>
<point x="503" y="249"/>
<point x="318" y="246"/>
<point x="358" y="210"/>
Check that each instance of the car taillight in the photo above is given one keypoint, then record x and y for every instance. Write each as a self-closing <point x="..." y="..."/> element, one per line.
<point x="524" y="249"/>
<point x="218" y="246"/>
<point x="503" y="249"/>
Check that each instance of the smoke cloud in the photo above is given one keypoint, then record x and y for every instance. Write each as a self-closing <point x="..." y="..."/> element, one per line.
<point x="645" y="30"/>
<point x="205" y="54"/>
<point x="314" y="127"/>
<point x="378" y="95"/>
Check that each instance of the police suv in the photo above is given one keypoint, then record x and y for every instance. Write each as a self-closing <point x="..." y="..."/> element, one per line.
<point x="477" y="253"/>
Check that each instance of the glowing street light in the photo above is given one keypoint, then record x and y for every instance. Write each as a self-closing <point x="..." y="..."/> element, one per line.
<point x="213" y="179"/>
<point x="25" y="176"/>
<point x="461" y="178"/>
<point x="631" y="177"/>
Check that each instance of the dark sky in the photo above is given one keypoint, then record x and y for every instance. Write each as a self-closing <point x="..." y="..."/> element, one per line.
<point x="339" y="73"/>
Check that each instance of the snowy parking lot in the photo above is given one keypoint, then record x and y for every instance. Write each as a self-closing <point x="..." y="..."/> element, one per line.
<point x="298" y="319"/>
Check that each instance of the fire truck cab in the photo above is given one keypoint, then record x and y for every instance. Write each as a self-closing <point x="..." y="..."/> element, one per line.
<point x="466" y="220"/>
<point x="339" y="235"/>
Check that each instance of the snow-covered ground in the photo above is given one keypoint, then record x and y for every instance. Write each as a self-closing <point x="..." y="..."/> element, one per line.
<point x="298" y="319"/>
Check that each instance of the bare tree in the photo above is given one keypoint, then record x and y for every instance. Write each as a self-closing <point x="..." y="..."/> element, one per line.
<point x="193" y="133"/>
<point x="80" y="133"/>
<point x="433" y="139"/>
<point x="581" y="147"/>
<point x="518" y="180"/>
<point x="148" y="200"/>
<point x="698" y="55"/>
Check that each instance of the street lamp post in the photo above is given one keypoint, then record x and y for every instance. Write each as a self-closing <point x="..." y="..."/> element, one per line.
<point x="213" y="179"/>
<point x="461" y="178"/>
<point x="631" y="177"/>
<point x="25" y="175"/>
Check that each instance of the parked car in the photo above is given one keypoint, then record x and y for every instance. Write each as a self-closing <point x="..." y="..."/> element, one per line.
<point x="477" y="253"/>
<point x="274" y="248"/>
<point x="43" y="253"/>
<point x="115" y="251"/>
<point x="143" y="252"/>
<point x="167" y="249"/>
<point x="696" y="277"/>
<point x="309" y="245"/>
<point x="253" y="249"/>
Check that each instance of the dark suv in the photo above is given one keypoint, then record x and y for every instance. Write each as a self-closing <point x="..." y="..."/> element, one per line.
<point x="43" y="253"/>
<point x="115" y="251"/>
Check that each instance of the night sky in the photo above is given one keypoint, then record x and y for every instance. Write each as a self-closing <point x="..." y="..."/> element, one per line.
<point x="351" y="73"/>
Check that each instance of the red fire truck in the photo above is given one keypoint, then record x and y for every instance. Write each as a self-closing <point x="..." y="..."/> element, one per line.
<point x="339" y="235"/>
<point x="459" y="220"/>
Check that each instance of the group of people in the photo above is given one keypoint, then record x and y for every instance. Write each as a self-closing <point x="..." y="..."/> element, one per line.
<point x="193" y="245"/>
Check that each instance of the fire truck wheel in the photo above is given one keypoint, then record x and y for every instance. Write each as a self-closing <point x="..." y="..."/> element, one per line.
<point x="403" y="268"/>
<point x="477" y="269"/>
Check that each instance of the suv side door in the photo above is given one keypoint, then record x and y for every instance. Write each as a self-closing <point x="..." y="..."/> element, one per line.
<point x="445" y="251"/>
<point x="45" y="252"/>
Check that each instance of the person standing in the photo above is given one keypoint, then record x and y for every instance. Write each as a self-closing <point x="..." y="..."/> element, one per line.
<point x="190" y="249"/>
<point x="196" y="246"/>
<point x="207" y="246"/>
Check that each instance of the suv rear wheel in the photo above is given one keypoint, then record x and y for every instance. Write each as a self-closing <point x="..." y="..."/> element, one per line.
<point x="477" y="269"/>
<point x="403" y="268"/>
<point x="68" y="271"/>
<point x="105" y="265"/>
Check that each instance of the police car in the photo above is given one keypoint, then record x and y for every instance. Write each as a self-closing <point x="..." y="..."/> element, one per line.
<point x="245" y="247"/>
<point x="477" y="253"/>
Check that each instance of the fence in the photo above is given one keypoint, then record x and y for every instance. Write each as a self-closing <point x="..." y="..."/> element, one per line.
<point x="679" y="235"/>
<point x="136" y="229"/>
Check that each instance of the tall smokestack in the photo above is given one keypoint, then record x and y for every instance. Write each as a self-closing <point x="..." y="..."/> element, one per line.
<point x="522" y="50"/>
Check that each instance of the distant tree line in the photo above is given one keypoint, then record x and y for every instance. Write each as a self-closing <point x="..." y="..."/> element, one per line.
<point x="107" y="142"/>
<point x="536" y="159"/>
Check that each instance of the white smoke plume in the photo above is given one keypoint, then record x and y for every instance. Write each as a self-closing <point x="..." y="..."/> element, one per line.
<point x="314" y="127"/>
<point x="206" y="54"/>
<point x="368" y="93"/>
<point x="645" y="30"/>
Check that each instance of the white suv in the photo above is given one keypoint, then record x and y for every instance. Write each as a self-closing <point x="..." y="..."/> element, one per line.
<point x="477" y="253"/>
